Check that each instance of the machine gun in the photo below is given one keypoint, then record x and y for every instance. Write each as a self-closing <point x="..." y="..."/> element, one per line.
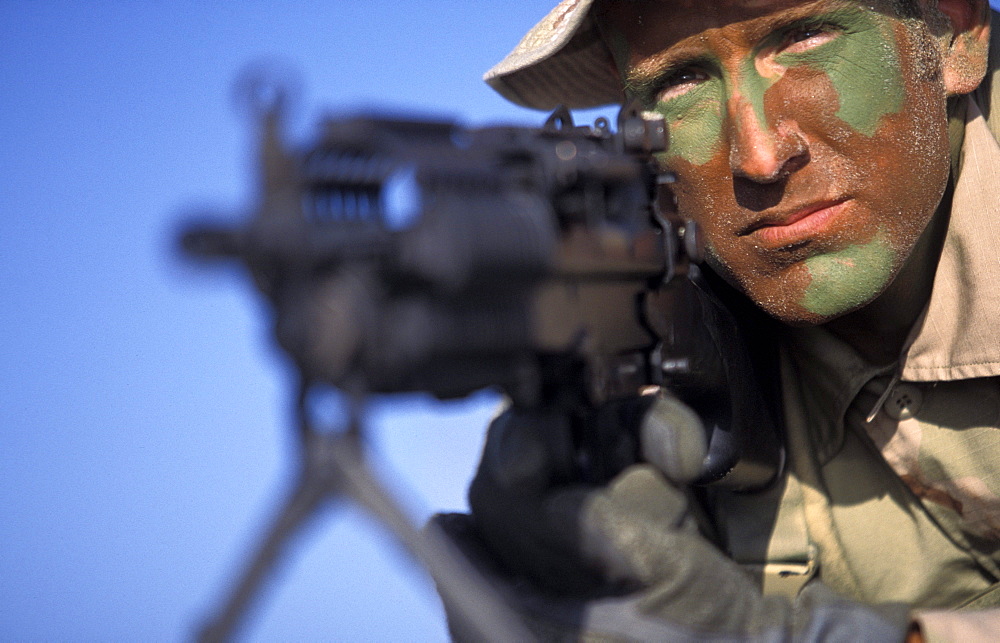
<point x="546" y="262"/>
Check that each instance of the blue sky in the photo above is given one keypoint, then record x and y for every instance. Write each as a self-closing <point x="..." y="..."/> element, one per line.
<point x="144" y="412"/>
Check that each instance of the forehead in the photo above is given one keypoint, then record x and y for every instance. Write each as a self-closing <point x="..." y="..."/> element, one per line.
<point x="650" y="26"/>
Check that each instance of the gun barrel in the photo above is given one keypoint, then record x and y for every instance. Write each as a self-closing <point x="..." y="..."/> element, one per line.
<point x="212" y="242"/>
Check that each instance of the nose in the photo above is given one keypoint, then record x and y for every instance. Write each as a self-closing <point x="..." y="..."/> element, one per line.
<point x="759" y="151"/>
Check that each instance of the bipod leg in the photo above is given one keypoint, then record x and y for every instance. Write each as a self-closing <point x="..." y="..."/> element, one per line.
<point x="478" y="606"/>
<point x="334" y="466"/>
<point x="319" y="480"/>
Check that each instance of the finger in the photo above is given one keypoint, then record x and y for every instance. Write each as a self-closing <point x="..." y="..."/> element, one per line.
<point x="627" y="526"/>
<point x="509" y="494"/>
<point x="672" y="437"/>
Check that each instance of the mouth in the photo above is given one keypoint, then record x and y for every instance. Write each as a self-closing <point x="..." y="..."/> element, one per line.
<point x="790" y="228"/>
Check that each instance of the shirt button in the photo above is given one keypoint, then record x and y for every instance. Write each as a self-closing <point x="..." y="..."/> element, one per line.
<point x="904" y="402"/>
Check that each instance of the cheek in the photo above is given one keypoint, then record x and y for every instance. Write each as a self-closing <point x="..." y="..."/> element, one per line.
<point x="695" y="132"/>
<point x="907" y="167"/>
<point x="868" y="79"/>
<point x="808" y="98"/>
<point x="704" y="192"/>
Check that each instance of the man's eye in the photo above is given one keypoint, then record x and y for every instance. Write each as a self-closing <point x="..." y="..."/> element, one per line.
<point x="681" y="81"/>
<point x="808" y="37"/>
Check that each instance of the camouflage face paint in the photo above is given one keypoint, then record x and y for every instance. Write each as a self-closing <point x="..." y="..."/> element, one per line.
<point x="846" y="279"/>
<point x="809" y="140"/>
<point x="866" y="92"/>
<point x="695" y="121"/>
<point x="863" y="66"/>
<point x="753" y="84"/>
<point x="698" y="117"/>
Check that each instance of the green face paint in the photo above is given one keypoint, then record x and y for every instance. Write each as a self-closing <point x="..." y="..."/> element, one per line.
<point x="753" y="86"/>
<point x="848" y="278"/>
<point x="695" y="121"/>
<point x="862" y="65"/>
<point x="697" y="117"/>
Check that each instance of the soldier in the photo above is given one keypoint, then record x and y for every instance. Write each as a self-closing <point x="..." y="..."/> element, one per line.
<point x="842" y="160"/>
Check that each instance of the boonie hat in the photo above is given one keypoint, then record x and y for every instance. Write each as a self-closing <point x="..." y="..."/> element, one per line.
<point x="561" y="61"/>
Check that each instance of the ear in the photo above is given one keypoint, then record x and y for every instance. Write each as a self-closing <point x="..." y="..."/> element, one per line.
<point x="965" y="56"/>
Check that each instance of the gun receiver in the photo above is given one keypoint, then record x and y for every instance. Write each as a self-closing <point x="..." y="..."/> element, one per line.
<point x="420" y="256"/>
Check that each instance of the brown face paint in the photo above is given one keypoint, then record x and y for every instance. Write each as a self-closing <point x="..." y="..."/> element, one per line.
<point x="863" y="66"/>
<point x="855" y="125"/>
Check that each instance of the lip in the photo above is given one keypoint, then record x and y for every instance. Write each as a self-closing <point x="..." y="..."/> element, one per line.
<point x="777" y="230"/>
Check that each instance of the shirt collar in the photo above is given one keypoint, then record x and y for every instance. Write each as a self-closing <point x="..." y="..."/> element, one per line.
<point x="958" y="336"/>
<point x="823" y="375"/>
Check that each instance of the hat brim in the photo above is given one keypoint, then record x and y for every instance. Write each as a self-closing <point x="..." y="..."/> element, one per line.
<point x="561" y="61"/>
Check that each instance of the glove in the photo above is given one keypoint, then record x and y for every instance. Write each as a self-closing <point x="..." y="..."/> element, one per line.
<point x="626" y="560"/>
<point x="527" y="497"/>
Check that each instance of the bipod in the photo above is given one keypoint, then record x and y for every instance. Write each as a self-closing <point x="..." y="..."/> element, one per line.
<point x="334" y="467"/>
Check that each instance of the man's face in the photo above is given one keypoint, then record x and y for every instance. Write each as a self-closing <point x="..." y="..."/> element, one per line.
<point x="809" y="139"/>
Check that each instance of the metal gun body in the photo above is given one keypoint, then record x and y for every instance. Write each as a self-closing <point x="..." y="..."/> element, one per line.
<point x="420" y="256"/>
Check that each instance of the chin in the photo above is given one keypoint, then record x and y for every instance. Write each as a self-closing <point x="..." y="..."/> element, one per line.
<point x="785" y="304"/>
<point x="802" y="318"/>
<point x="792" y="314"/>
<point x="800" y="297"/>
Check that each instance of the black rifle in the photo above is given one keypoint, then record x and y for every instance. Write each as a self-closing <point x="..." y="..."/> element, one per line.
<point x="547" y="262"/>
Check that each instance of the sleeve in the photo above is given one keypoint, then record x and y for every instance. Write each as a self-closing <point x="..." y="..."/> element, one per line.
<point x="943" y="626"/>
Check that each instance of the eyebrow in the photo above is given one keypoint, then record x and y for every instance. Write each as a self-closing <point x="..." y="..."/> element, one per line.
<point x="646" y="79"/>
